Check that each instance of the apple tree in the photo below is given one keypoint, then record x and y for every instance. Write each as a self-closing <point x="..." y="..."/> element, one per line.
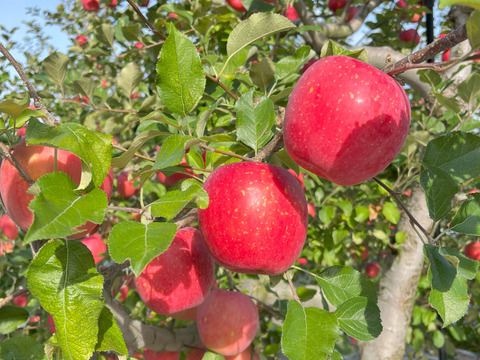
<point x="241" y="180"/>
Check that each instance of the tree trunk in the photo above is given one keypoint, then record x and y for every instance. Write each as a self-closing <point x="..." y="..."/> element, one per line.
<point x="397" y="287"/>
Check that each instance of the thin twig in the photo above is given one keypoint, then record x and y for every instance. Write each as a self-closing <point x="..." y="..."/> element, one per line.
<point x="223" y="86"/>
<point x="50" y="120"/>
<point x="126" y="209"/>
<point x="413" y="221"/>
<point x="145" y="20"/>
<point x="205" y="147"/>
<point x="23" y="173"/>
<point x="12" y="296"/>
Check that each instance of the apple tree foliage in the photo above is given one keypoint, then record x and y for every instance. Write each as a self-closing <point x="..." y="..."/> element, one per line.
<point x="210" y="86"/>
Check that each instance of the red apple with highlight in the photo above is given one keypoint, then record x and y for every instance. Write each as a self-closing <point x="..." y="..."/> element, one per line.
<point x="345" y="120"/>
<point x="372" y="269"/>
<point x="237" y="5"/>
<point x="472" y="250"/>
<point x="256" y="220"/>
<point x="96" y="245"/>
<point x="227" y="322"/>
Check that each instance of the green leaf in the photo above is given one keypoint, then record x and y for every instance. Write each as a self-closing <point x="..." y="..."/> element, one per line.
<point x="172" y="152"/>
<point x="457" y="153"/>
<point x="466" y="267"/>
<point x="95" y="149"/>
<point x="209" y="355"/>
<point x="85" y="86"/>
<point x="452" y="304"/>
<point x="308" y="333"/>
<point x="105" y="34"/>
<point x="64" y="279"/>
<point x="12" y="317"/>
<point x="360" y="318"/>
<point x="110" y="337"/>
<point x="467" y="218"/>
<point x="254" y="122"/>
<point x="336" y="355"/>
<point x="170" y="204"/>
<point x="341" y="283"/>
<point x="181" y="79"/>
<point x="58" y="209"/>
<point x="136" y="144"/>
<point x="391" y="212"/>
<point x="21" y="348"/>
<point x="256" y="27"/>
<point x="148" y="240"/>
<point x="430" y="77"/>
<point x="331" y="48"/>
<point x="469" y="89"/>
<point x="14" y="108"/>
<point x="471" y="3"/>
<point x="442" y="272"/>
<point x="473" y="27"/>
<point x="25" y="116"/>
<point x="440" y="189"/>
<point x="129" y="79"/>
<point x="55" y="66"/>
<point x="448" y="102"/>
<point x="289" y="64"/>
<point x="262" y="72"/>
<point x="132" y="32"/>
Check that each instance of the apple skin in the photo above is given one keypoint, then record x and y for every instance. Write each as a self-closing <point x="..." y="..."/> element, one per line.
<point x="409" y="36"/>
<point x="291" y="14"/>
<point x="472" y="250"/>
<point x="20" y="300"/>
<point x="51" y="324"/>
<point x="38" y="160"/>
<point x="112" y="4"/>
<point x="95" y="244"/>
<point x="144" y="4"/>
<point x="8" y="227"/>
<point x="180" y="278"/>
<point x="189" y="314"/>
<point x="227" y="322"/>
<point x="352" y="11"/>
<point x="256" y="221"/>
<point x="334" y="5"/>
<point x="372" y="269"/>
<point x="165" y="355"/>
<point x="91" y="5"/>
<point x="237" y="5"/>
<point x="244" y="355"/>
<point x="126" y="187"/>
<point x="345" y="120"/>
<point x="195" y="354"/>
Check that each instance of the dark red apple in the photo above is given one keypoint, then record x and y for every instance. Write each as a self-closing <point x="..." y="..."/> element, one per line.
<point x="237" y="5"/>
<point x="126" y="187"/>
<point x="472" y="250"/>
<point x="144" y="3"/>
<point x="91" y="5"/>
<point x="352" y="11"/>
<point x="166" y="355"/>
<point x="95" y="244"/>
<point x="176" y="177"/>
<point x="227" y="322"/>
<point x="180" y="278"/>
<point x="345" y="120"/>
<point x="409" y="36"/>
<point x="256" y="221"/>
<point x="372" y="269"/>
<point x="195" y="354"/>
<point x="8" y="227"/>
<point x="335" y="5"/>
<point x="37" y="161"/>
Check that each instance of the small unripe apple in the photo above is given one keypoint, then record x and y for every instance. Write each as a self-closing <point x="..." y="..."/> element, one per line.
<point x="126" y="187"/>
<point x="237" y="5"/>
<point x="446" y="53"/>
<point x="372" y="269"/>
<point x="95" y="244"/>
<point x="335" y="5"/>
<point x="345" y="120"/>
<point x="180" y="278"/>
<point x="256" y="220"/>
<point x="227" y="322"/>
<point x="8" y="227"/>
<point x="91" y="5"/>
<point x="166" y="355"/>
<point x="409" y="36"/>
<point x="472" y="250"/>
<point x="38" y="160"/>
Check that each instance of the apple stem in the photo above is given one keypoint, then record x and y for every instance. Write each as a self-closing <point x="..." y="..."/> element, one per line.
<point x="415" y="224"/>
<point x="50" y="120"/>
<point x="13" y="296"/>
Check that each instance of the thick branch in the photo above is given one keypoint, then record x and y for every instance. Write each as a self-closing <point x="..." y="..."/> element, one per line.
<point x="50" y="120"/>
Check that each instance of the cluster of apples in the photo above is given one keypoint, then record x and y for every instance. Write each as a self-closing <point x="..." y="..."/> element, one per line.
<point x="410" y="35"/>
<point x="336" y="5"/>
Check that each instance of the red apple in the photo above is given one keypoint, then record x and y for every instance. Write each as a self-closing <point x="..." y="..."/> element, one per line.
<point x="352" y="11"/>
<point x="302" y="261"/>
<point x="372" y="269"/>
<point x="409" y="36"/>
<point x="144" y="4"/>
<point x="104" y="84"/>
<point x="138" y="45"/>
<point x="173" y="16"/>
<point x="166" y="355"/>
<point x="51" y="324"/>
<point x="472" y="250"/>
<point x="334" y="5"/>
<point x="180" y="278"/>
<point x="95" y="244"/>
<point x="291" y="13"/>
<point x="112" y="3"/>
<point x="227" y="322"/>
<point x="256" y="221"/>
<point x="38" y="160"/>
<point x="126" y="187"/>
<point x="91" y="5"/>
<point x="345" y="120"/>
<point x="21" y="131"/>
<point x="8" y="227"/>
<point x="82" y="40"/>
<point x="237" y="5"/>
<point x="311" y="210"/>
<point x="20" y="300"/>
<point x="244" y="355"/>
<point x="195" y="354"/>
<point x="446" y="53"/>
<point x="187" y="314"/>
<point x="176" y="177"/>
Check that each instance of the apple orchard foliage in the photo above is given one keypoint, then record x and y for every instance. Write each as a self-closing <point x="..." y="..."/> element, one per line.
<point x="151" y="113"/>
